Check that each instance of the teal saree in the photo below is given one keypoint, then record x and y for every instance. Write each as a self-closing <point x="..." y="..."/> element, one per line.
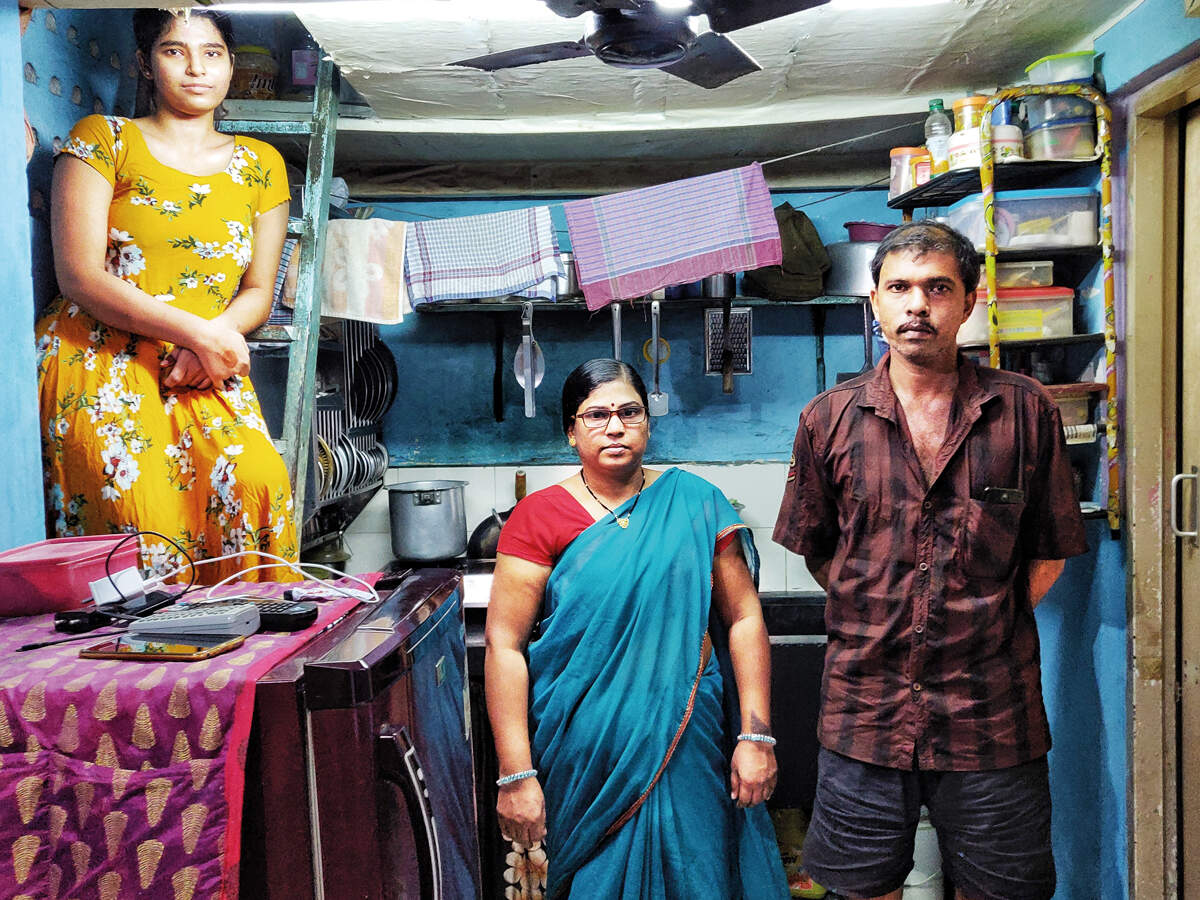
<point x="612" y="676"/>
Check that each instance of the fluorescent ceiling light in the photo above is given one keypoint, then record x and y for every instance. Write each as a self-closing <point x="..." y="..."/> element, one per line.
<point x="882" y="4"/>
<point x="392" y="11"/>
<point x="674" y="5"/>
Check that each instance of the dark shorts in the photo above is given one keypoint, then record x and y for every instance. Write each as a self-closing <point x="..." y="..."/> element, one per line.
<point x="993" y="828"/>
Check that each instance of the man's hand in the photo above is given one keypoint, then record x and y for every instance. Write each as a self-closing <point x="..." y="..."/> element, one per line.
<point x="521" y="808"/>
<point x="753" y="773"/>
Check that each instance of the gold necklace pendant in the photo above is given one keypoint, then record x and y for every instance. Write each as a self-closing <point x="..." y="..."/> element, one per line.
<point x="624" y="523"/>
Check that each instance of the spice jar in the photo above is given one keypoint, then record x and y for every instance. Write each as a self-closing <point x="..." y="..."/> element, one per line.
<point x="254" y="73"/>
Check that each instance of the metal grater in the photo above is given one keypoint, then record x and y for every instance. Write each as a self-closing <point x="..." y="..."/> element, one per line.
<point x="739" y="339"/>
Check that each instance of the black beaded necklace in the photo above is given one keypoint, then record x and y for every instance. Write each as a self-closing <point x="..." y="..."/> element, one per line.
<point x="624" y="520"/>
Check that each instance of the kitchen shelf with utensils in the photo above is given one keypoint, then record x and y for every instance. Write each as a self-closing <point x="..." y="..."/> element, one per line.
<point x="1030" y="222"/>
<point x="354" y="387"/>
<point x="574" y="305"/>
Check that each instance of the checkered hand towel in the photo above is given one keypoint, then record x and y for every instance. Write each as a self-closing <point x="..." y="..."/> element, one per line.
<point x="629" y="244"/>
<point x="492" y="255"/>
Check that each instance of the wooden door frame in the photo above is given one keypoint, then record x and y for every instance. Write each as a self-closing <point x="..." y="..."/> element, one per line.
<point x="1151" y="263"/>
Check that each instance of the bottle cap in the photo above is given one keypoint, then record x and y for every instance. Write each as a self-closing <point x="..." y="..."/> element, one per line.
<point x="936" y="104"/>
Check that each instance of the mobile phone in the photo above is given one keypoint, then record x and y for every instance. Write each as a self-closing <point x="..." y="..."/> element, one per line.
<point x="163" y="646"/>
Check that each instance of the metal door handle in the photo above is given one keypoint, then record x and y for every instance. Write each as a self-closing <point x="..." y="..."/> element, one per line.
<point x="399" y="765"/>
<point x="1175" y="482"/>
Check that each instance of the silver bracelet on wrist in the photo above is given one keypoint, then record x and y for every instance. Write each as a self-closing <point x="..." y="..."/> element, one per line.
<point x="758" y="738"/>
<point x="515" y="776"/>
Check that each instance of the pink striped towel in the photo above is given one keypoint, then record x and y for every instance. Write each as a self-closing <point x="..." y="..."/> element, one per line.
<point x="629" y="244"/>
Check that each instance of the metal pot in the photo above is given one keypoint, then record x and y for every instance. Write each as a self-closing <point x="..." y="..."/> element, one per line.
<point x="484" y="539"/>
<point x="718" y="286"/>
<point x="850" y="268"/>
<point x="428" y="520"/>
<point x="568" y="285"/>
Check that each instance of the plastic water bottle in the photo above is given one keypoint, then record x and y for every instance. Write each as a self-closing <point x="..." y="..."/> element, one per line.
<point x="937" y="137"/>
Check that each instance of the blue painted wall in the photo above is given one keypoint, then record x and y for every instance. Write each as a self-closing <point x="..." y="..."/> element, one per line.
<point x="75" y="63"/>
<point x="457" y="426"/>
<point x="1082" y="625"/>
<point x="1153" y="31"/>
<point x="21" y="488"/>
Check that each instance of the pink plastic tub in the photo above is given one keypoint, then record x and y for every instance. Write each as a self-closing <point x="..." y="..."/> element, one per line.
<point x="867" y="231"/>
<point x="53" y="575"/>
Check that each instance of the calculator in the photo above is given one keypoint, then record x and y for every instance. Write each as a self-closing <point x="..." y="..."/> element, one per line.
<point x="286" y="615"/>
<point x="236" y="618"/>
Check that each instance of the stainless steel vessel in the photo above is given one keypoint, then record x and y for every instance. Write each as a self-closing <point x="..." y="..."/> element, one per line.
<point x="428" y="520"/>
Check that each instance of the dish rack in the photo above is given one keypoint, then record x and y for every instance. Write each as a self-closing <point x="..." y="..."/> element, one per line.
<point x="356" y="382"/>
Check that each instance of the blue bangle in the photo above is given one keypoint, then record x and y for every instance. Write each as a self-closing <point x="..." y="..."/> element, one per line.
<point x="515" y="776"/>
<point x="758" y="738"/>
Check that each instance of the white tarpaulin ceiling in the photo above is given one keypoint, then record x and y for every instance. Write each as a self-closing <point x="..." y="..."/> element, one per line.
<point x="848" y="68"/>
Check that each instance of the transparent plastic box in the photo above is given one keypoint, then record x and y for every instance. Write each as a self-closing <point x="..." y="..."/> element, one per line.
<point x="1062" y="139"/>
<point x="1075" y="66"/>
<point x="1043" y="108"/>
<point x="1023" y="315"/>
<point x="1051" y="217"/>
<point x="1025" y="274"/>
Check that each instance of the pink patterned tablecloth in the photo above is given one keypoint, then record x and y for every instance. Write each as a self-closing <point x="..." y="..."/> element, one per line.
<point x="125" y="779"/>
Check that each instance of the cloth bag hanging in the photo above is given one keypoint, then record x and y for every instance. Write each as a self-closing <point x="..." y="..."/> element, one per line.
<point x="801" y="276"/>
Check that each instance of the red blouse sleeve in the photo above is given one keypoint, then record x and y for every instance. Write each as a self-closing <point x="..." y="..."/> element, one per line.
<point x="542" y="525"/>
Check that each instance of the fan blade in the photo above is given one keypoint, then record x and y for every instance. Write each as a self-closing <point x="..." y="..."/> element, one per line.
<point x="526" y="56"/>
<point x="730" y="15"/>
<point x="711" y="61"/>
<point x="569" y="9"/>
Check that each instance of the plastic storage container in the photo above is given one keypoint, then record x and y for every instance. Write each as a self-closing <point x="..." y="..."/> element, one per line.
<point x="901" y="181"/>
<point x="254" y="73"/>
<point x="1063" y="139"/>
<point x="1049" y="217"/>
<point x="1025" y="274"/>
<point x="968" y="112"/>
<point x="53" y="575"/>
<point x="1078" y="66"/>
<point x="966" y="152"/>
<point x="867" y="231"/>
<point x="1024" y="314"/>
<point x="1043" y="108"/>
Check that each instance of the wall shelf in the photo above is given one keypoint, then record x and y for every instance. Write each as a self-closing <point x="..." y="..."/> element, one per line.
<point x="950" y="187"/>
<point x="514" y="305"/>
<point x="1092" y="338"/>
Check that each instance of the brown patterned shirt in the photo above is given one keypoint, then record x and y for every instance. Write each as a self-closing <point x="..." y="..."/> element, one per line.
<point x="933" y="657"/>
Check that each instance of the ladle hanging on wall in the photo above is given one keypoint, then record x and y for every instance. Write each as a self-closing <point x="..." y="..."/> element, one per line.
<point x="528" y="365"/>
<point x="616" y="322"/>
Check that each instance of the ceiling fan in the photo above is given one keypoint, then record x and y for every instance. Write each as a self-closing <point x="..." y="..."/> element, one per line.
<point x="650" y="34"/>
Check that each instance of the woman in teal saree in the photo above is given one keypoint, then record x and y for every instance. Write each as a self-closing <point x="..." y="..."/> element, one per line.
<point x="633" y="732"/>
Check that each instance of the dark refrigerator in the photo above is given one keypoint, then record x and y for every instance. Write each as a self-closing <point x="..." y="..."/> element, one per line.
<point x="359" y="779"/>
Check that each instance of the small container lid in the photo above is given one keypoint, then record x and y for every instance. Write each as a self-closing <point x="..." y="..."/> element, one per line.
<point x="977" y="100"/>
<point x="1037" y="194"/>
<point x="1032" y="293"/>
<point x="1062" y="123"/>
<point x="906" y="151"/>
<point x="1056" y="56"/>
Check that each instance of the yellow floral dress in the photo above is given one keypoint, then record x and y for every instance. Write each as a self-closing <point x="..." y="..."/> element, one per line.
<point x="120" y="455"/>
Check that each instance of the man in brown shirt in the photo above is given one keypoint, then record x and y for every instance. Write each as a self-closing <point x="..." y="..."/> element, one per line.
<point x="933" y="500"/>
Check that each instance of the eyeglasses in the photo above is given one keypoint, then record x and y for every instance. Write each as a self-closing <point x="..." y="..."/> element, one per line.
<point x="599" y="418"/>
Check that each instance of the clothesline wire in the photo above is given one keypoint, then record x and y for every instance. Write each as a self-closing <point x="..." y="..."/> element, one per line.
<point x="849" y="140"/>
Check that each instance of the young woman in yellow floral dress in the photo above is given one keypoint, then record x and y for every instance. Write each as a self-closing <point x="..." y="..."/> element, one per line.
<point x="167" y="236"/>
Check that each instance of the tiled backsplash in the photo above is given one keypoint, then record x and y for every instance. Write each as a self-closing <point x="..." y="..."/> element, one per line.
<point x="758" y="486"/>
